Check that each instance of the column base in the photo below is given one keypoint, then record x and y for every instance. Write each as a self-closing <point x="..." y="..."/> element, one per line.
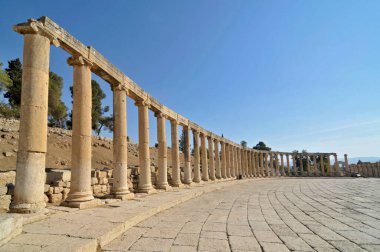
<point x="188" y="182"/>
<point x="147" y="191"/>
<point x="164" y="187"/>
<point x="27" y="208"/>
<point x="82" y="204"/>
<point x="126" y="196"/>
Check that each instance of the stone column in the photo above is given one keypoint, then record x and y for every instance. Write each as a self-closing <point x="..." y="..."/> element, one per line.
<point x="232" y="158"/>
<point x="329" y="172"/>
<point x="30" y="165"/>
<point x="248" y="161"/>
<point x="211" y="157"/>
<point x="295" y="165"/>
<point x="217" y="160"/>
<point x="240" y="173"/>
<point x="266" y="164"/>
<point x="282" y="164"/>
<point x="241" y="162"/>
<point x="80" y="194"/>
<point x="316" y="169"/>
<point x="223" y="145"/>
<point x="322" y="165"/>
<point x="197" y="171"/>
<point x="262" y="164"/>
<point x="176" y="170"/>
<point x="204" y="158"/>
<point x="145" y="179"/>
<point x="162" y="174"/>
<point x="301" y="165"/>
<point x="277" y="166"/>
<point x="307" y="165"/>
<point x="336" y="165"/>
<point x="228" y="161"/>
<point x="187" y="156"/>
<point x="288" y="164"/>
<point x="270" y="171"/>
<point x="120" y="145"/>
<point x="346" y="167"/>
<point x="257" y="159"/>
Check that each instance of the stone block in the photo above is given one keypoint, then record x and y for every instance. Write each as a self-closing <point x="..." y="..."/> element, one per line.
<point x="5" y="201"/>
<point x="104" y="188"/>
<point x="103" y="181"/>
<point x="94" y="181"/>
<point x="97" y="189"/>
<point x="7" y="178"/>
<point x="68" y="184"/>
<point x="101" y="174"/>
<point x="51" y="191"/>
<point x="59" y="183"/>
<point x="58" y="175"/>
<point x="11" y="226"/>
<point x="58" y="189"/>
<point x="46" y="198"/>
<point x="3" y="190"/>
<point x="55" y="198"/>
<point x="46" y="188"/>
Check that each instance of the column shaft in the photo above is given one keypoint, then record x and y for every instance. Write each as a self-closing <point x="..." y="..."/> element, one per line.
<point x="197" y="171"/>
<point x="204" y="158"/>
<point x="162" y="175"/>
<point x="217" y="161"/>
<point x="211" y="158"/>
<point x="176" y="170"/>
<point x="30" y="165"/>
<point x="187" y="156"/>
<point x="224" y="175"/>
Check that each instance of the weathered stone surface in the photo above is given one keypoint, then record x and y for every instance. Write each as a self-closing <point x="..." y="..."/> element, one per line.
<point x="55" y="198"/>
<point x="7" y="177"/>
<point x="57" y="175"/>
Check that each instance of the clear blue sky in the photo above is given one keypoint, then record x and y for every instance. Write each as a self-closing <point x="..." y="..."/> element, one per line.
<point x="294" y="74"/>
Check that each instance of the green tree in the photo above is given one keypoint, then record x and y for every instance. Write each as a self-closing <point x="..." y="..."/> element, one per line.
<point x="182" y="142"/>
<point x="243" y="144"/>
<point x="13" y="92"/>
<point x="57" y="109"/>
<point x="5" y="80"/>
<point x="261" y="146"/>
<point x="99" y="120"/>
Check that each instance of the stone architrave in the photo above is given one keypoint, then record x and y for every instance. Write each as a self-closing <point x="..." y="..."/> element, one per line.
<point x="145" y="179"/>
<point x="120" y="188"/>
<point x="211" y="157"/>
<point x="204" y="158"/>
<point x="80" y="194"/>
<point x="197" y="171"/>
<point x="176" y="170"/>
<point x="162" y="174"/>
<point x="30" y="165"/>
<point x="217" y="160"/>
<point x="186" y="152"/>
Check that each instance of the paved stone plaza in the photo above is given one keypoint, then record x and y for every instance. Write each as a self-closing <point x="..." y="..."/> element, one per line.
<point x="267" y="215"/>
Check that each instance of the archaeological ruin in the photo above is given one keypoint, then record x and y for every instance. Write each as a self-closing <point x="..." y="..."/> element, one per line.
<point x="215" y="158"/>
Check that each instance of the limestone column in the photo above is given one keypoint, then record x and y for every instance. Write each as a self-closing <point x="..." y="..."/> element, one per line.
<point x="270" y="171"/>
<point x="197" y="171"/>
<point x="329" y="172"/>
<point x="262" y="164"/>
<point x="277" y="166"/>
<point x="316" y="169"/>
<point x="176" y="170"/>
<point x="240" y="173"/>
<point x="346" y="167"/>
<point x="145" y="179"/>
<point x="204" y="158"/>
<point x="228" y="163"/>
<point x="120" y="145"/>
<point x="301" y="165"/>
<point x="162" y="174"/>
<point x="322" y="160"/>
<point x="30" y="165"/>
<point x="307" y="165"/>
<point x="248" y="161"/>
<point x="80" y="190"/>
<point x="267" y="165"/>
<point x="232" y="158"/>
<point x="187" y="155"/>
<point x="257" y="159"/>
<point x="295" y="165"/>
<point x="211" y="157"/>
<point x="217" y="160"/>
<point x="251" y="162"/>
<point x="336" y="165"/>
<point x="288" y="164"/>
<point x="282" y="165"/>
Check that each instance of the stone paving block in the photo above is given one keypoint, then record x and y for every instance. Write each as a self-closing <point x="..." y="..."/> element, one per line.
<point x="162" y="232"/>
<point x="326" y="233"/>
<point x="359" y="237"/>
<point x="282" y="229"/>
<point x="295" y="243"/>
<point x="214" y="226"/>
<point x="213" y="245"/>
<point x="259" y="226"/>
<point x="239" y="230"/>
<point x="177" y="248"/>
<point x="126" y="240"/>
<point x="239" y="243"/>
<point x="152" y="244"/>
<point x="274" y="247"/>
<point x="191" y="228"/>
<point x="371" y="248"/>
<point x="187" y="240"/>
<point x="266" y="236"/>
<point x="214" y="235"/>
<point x="346" y="246"/>
<point x="315" y="241"/>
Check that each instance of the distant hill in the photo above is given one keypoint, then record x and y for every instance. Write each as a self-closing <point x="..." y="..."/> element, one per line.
<point x="354" y="160"/>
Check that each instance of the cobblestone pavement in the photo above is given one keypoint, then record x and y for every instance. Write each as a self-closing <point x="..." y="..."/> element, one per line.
<point x="267" y="215"/>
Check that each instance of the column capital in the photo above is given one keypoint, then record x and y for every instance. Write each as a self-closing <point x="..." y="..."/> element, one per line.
<point x="33" y="26"/>
<point x="142" y="103"/>
<point x="160" y="114"/>
<point x="78" y="61"/>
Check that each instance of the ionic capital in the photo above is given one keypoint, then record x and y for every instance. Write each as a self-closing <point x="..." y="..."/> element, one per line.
<point x="78" y="61"/>
<point x="160" y="114"/>
<point x="142" y="103"/>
